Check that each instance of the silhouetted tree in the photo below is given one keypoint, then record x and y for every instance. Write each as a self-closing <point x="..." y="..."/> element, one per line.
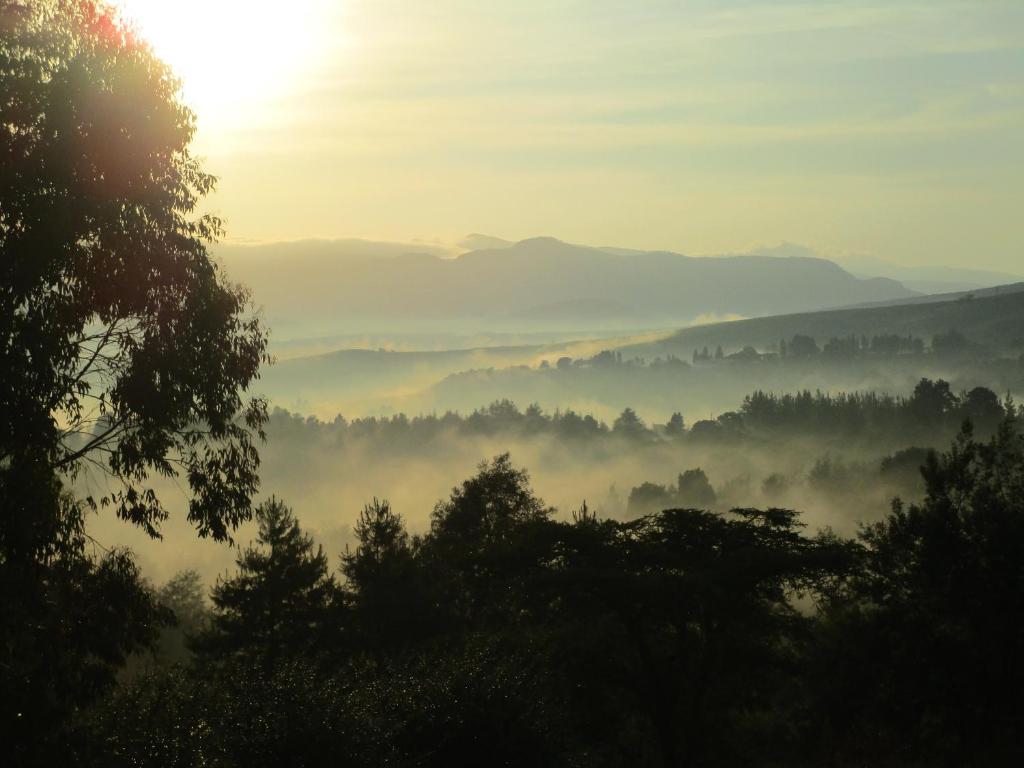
<point x="981" y="406"/>
<point x="675" y="426"/>
<point x="120" y="340"/>
<point x="648" y="498"/>
<point x="931" y="401"/>
<point x="278" y="603"/>
<point x="123" y="349"/>
<point x="628" y="424"/>
<point x="389" y="608"/>
<point x="924" y="643"/>
<point x="694" y="490"/>
<point x="682" y="620"/>
<point x="71" y="617"/>
<point x="478" y="547"/>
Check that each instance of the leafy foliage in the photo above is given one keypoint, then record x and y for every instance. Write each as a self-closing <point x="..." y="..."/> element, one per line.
<point x="124" y="351"/>
<point x="122" y="347"/>
<point x="926" y="634"/>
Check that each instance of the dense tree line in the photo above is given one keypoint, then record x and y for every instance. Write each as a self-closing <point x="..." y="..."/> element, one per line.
<point x="799" y="347"/>
<point x="932" y="410"/>
<point x="932" y="405"/>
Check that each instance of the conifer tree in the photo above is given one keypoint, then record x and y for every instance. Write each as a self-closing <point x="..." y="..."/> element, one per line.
<point x="278" y="602"/>
<point x="382" y="582"/>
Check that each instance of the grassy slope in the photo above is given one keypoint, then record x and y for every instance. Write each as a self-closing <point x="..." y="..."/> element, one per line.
<point x="995" y="321"/>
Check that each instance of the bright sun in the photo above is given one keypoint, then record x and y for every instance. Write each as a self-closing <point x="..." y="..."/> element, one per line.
<point x="235" y="58"/>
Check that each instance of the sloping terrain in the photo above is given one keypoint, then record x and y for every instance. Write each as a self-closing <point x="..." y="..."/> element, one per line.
<point x="995" y="320"/>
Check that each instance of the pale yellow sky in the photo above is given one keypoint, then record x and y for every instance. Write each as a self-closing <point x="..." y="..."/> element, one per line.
<point x="893" y="128"/>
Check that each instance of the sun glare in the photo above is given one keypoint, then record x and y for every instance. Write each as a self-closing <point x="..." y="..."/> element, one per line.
<point x="235" y="58"/>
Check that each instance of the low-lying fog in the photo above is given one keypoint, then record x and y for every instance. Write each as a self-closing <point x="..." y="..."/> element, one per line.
<point x="327" y="481"/>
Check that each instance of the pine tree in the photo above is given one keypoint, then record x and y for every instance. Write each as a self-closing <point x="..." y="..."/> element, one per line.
<point x="382" y="582"/>
<point x="278" y="602"/>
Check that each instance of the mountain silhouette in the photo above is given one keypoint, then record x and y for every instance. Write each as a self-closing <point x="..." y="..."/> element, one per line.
<point x="541" y="279"/>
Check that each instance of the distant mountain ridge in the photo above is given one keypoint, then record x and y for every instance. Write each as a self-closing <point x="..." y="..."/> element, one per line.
<point x="924" y="279"/>
<point x="938" y="298"/>
<point x="499" y="286"/>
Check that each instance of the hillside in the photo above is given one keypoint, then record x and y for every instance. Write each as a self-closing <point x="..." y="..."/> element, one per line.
<point x="381" y="381"/>
<point x="995" y="320"/>
<point x="378" y="381"/>
<point x="938" y="298"/>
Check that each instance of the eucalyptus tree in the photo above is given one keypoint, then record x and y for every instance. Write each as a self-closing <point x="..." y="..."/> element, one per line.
<point x="124" y="350"/>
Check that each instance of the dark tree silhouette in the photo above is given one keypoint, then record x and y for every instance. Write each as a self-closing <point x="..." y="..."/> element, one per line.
<point x="675" y="426"/>
<point x="649" y="497"/>
<point x="981" y="406"/>
<point x="278" y="603"/>
<point x="123" y="350"/>
<point x="479" y="548"/>
<point x="694" y="490"/>
<point x="122" y="347"/>
<point x="931" y="401"/>
<point x="628" y="424"/>
<point x="924" y="643"/>
<point x="70" y="620"/>
<point x="389" y="606"/>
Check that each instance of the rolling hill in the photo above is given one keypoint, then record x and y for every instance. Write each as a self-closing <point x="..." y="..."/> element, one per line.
<point x="375" y="381"/>
<point x="993" y="318"/>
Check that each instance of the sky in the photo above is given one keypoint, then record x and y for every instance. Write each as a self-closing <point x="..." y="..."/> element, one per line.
<point x="893" y="129"/>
